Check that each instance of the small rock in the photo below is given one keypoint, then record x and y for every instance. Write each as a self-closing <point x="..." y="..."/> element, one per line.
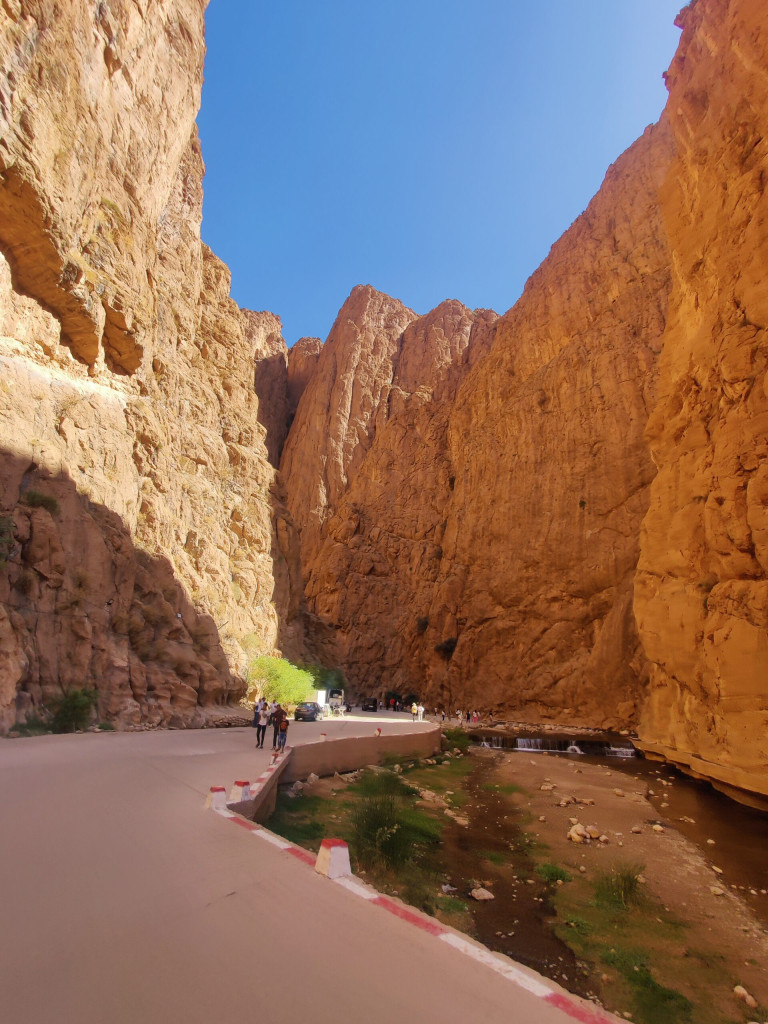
<point x="636" y="829"/>
<point x="604" y="839"/>
<point x="741" y="993"/>
<point x="481" y="894"/>
<point x="618" y="792"/>
<point x="717" y="870"/>
<point x="312" y="779"/>
<point x="658" y="828"/>
<point x="582" y="869"/>
<point x="593" y="831"/>
<point x="542" y="817"/>
<point x="710" y="842"/>
<point x="574" y="821"/>
<point x="547" y="787"/>
<point x="716" y="890"/>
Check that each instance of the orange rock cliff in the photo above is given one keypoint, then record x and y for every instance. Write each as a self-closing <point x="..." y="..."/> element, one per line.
<point x="559" y="513"/>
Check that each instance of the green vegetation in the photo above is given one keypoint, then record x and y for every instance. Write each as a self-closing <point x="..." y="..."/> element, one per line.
<point x="650" y="1000"/>
<point x="6" y="538"/>
<point x="36" y="499"/>
<point x="34" y="726"/>
<point x="457" y="738"/>
<point x="620" y="887"/>
<point x="281" y="680"/>
<point x="393" y="838"/>
<point x="73" y="710"/>
<point x="507" y="788"/>
<point x="553" y="873"/>
<point x="495" y="857"/>
<point x="278" y="679"/>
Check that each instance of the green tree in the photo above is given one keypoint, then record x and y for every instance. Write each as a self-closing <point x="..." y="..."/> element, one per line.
<point x="278" y="679"/>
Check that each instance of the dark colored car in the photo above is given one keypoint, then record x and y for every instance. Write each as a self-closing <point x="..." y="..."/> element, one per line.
<point x="309" y="711"/>
<point x="369" y="704"/>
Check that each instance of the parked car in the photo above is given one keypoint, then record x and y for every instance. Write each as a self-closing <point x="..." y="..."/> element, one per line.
<point x="309" y="711"/>
<point x="369" y="704"/>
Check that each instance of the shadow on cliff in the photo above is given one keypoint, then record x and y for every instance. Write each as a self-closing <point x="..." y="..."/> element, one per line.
<point x="82" y="606"/>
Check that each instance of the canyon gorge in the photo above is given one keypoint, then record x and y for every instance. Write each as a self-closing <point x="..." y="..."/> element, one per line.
<point x="559" y="514"/>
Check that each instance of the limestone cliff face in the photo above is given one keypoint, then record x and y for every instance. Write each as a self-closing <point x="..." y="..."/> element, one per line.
<point x="476" y="543"/>
<point x="138" y="527"/>
<point x="701" y="594"/>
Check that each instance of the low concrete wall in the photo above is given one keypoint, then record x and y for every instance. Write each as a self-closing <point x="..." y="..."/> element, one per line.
<point x="348" y="754"/>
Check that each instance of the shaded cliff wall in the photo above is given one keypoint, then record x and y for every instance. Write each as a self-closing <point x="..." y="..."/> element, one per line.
<point x="127" y="397"/>
<point x="701" y="595"/>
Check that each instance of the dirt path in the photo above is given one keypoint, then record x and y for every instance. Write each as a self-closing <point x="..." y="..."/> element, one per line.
<point x="678" y="874"/>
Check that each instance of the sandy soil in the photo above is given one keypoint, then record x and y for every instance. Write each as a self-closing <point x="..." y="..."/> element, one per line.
<point x="677" y="872"/>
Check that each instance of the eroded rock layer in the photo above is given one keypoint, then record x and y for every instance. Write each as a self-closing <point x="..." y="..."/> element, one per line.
<point x="701" y="594"/>
<point x="138" y="522"/>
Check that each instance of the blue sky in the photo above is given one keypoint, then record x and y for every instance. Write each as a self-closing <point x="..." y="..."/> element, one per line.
<point x="431" y="148"/>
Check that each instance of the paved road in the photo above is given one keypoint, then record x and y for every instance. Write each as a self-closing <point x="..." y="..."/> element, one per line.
<point x="123" y="900"/>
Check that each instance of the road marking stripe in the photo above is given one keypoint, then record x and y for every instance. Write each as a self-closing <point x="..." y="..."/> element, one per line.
<point x="426" y="924"/>
<point x="508" y="970"/>
<point x="351" y="883"/>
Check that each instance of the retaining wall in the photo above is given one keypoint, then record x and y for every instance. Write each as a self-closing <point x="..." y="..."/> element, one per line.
<point x="350" y="753"/>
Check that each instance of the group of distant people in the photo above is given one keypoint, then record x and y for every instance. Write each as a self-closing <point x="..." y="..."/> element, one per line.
<point x="273" y="714"/>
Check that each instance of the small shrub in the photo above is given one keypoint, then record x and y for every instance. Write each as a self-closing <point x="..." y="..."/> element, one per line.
<point x="34" y="726"/>
<point x="72" y="711"/>
<point x="457" y="738"/>
<point x="446" y="647"/>
<point x="618" y="888"/>
<point x="553" y="873"/>
<point x="6" y="538"/>
<point x="36" y="499"/>
<point x="106" y="727"/>
<point x="25" y="582"/>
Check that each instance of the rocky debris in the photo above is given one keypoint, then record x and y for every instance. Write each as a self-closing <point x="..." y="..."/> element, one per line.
<point x="312" y="778"/>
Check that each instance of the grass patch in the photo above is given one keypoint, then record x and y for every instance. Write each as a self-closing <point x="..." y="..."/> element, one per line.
<point x="34" y="726"/>
<point x="507" y="788"/>
<point x="36" y="499"/>
<point x="457" y="738"/>
<point x="650" y="1000"/>
<point x="618" y="888"/>
<point x="297" y="820"/>
<point x="494" y="856"/>
<point x="553" y="873"/>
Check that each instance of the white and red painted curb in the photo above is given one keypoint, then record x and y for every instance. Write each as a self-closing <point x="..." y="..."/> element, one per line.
<point x="576" y="1009"/>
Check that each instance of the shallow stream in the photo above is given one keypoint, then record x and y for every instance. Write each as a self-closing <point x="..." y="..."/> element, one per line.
<point x="739" y="834"/>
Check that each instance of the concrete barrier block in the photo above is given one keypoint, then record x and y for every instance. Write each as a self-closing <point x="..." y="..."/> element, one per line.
<point x="217" y="798"/>
<point x="240" y="791"/>
<point x="333" y="859"/>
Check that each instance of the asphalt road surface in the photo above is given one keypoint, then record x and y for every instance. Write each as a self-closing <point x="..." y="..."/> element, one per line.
<point x="123" y="901"/>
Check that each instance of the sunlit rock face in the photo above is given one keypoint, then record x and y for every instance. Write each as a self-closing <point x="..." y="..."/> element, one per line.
<point x="471" y="489"/>
<point x="127" y="392"/>
<point x="701" y="594"/>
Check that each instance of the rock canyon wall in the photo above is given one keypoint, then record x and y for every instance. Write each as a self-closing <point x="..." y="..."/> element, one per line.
<point x="565" y="518"/>
<point x="140" y="524"/>
<point x="558" y="513"/>
<point x="701" y="593"/>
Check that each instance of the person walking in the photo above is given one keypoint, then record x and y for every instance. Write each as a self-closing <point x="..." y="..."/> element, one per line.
<point x="282" y="733"/>
<point x="278" y="717"/>
<point x="420" y="712"/>
<point x="414" y="711"/>
<point x="261" y="724"/>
